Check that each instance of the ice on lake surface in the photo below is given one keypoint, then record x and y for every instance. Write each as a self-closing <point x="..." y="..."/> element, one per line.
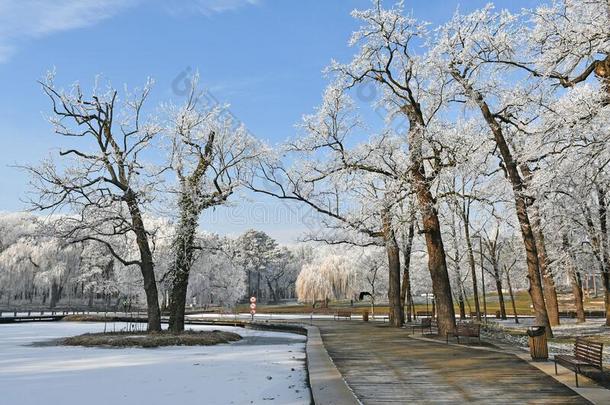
<point x="267" y="367"/>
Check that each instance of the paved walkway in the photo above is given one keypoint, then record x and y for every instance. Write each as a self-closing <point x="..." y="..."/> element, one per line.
<point x="383" y="365"/>
<point x="327" y="384"/>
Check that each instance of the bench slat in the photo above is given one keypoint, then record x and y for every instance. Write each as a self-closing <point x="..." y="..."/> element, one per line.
<point x="582" y="347"/>
<point x="588" y="352"/>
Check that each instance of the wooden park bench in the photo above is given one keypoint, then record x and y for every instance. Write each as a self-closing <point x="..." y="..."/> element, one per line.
<point x="424" y="324"/>
<point x="321" y="311"/>
<point x="424" y="314"/>
<point x="586" y="354"/>
<point x="343" y="314"/>
<point x="465" y="329"/>
<point x="384" y="317"/>
<point x="318" y="311"/>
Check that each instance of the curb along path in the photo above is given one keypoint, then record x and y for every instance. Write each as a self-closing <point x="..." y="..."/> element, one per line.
<point x="326" y="383"/>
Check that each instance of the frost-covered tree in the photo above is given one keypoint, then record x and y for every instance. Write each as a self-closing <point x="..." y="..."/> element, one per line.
<point x="569" y="44"/>
<point x="413" y="90"/>
<point x="102" y="179"/>
<point x="216" y="278"/>
<point x="55" y="261"/>
<point x="210" y="154"/>
<point x="467" y="191"/>
<point x="406" y="247"/>
<point x="16" y="245"/>
<point x="570" y="41"/>
<point x="494" y="253"/>
<point x="371" y="274"/>
<point x="356" y="189"/>
<point x="281" y="275"/>
<point x="471" y="50"/>
<point x="38" y="267"/>
<point x="256" y="253"/>
<point x="98" y="274"/>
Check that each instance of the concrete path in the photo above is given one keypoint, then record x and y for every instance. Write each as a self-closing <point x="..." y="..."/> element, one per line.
<point x="383" y="365"/>
<point x="327" y="384"/>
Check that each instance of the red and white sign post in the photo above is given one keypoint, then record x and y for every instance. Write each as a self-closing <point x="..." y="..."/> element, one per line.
<point x="252" y="307"/>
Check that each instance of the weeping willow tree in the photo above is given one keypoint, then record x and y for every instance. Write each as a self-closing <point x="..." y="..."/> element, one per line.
<point x="331" y="278"/>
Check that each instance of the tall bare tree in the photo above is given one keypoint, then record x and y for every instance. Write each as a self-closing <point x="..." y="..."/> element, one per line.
<point x="411" y="91"/>
<point x="468" y="49"/>
<point x="102" y="181"/>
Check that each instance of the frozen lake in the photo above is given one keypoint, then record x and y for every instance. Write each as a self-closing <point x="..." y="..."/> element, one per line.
<point x="266" y="367"/>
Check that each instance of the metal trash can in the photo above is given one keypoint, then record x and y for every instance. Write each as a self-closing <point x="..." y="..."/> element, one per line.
<point x="365" y="316"/>
<point x="539" y="349"/>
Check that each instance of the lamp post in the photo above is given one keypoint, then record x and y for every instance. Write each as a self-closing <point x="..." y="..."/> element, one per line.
<point x="428" y="297"/>
<point x="483" y="279"/>
<point x="475" y="287"/>
<point x="482" y="282"/>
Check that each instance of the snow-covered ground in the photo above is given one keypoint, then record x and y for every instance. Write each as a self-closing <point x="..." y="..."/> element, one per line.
<point x="595" y="327"/>
<point x="261" y="317"/>
<point x="264" y="368"/>
<point x="211" y="316"/>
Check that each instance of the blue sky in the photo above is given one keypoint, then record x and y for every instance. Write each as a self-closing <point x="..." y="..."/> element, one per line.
<point x="264" y="57"/>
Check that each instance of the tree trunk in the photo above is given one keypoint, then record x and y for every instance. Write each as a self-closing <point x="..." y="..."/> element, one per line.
<point x="606" y="283"/>
<point x="396" y="308"/>
<point x="521" y="204"/>
<point x="499" y="290"/>
<point x="183" y="247"/>
<point x="535" y="289"/>
<point x="498" y="280"/>
<point x="548" y="283"/>
<point x="146" y="265"/>
<point x="603" y="222"/>
<point x="258" y="286"/>
<point x="177" y="301"/>
<point x="410" y="303"/>
<point x="272" y="292"/>
<point x="473" y="272"/>
<point x="405" y="292"/>
<point x="577" y="291"/>
<point x="250" y="291"/>
<point x="580" y="308"/>
<point x="574" y="281"/>
<point x="437" y="264"/>
<point x="461" y="304"/>
<point x="512" y="297"/>
<point x="602" y="261"/>
<point x="55" y="294"/>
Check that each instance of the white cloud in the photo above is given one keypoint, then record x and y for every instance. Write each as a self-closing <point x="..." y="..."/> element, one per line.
<point x="208" y="7"/>
<point x="29" y="19"/>
<point x="22" y="20"/>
